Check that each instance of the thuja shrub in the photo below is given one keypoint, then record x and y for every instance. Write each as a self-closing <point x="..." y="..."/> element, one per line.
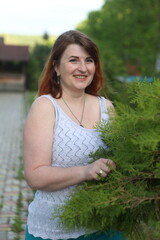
<point x="129" y="197"/>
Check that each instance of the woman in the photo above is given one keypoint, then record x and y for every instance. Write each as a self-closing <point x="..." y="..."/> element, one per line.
<point x="60" y="133"/>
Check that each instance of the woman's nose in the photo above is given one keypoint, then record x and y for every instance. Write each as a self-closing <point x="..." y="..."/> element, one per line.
<point x="82" y="66"/>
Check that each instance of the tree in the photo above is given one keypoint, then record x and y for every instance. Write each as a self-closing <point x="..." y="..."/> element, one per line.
<point x="38" y="58"/>
<point x="45" y="36"/>
<point x="129" y="197"/>
<point x="128" y="35"/>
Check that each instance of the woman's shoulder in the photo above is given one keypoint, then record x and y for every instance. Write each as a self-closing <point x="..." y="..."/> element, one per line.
<point x="108" y="102"/>
<point x="41" y="105"/>
<point x="43" y="101"/>
<point x="108" y="105"/>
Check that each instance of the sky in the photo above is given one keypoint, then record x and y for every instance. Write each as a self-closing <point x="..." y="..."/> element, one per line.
<point x="35" y="17"/>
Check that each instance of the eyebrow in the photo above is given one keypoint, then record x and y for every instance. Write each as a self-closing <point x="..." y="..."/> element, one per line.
<point x="72" y="57"/>
<point x="78" y="57"/>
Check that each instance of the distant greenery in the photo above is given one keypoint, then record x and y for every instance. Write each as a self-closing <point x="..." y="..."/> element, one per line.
<point x="29" y="40"/>
<point x="38" y="57"/>
<point x="30" y="97"/>
<point x="127" y="34"/>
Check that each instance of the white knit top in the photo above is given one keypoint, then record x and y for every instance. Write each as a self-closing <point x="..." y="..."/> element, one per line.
<point x="72" y="145"/>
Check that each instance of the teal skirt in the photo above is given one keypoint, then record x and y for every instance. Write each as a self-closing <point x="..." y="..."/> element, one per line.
<point x="94" y="236"/>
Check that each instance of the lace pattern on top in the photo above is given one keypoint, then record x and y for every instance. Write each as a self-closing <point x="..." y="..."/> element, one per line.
<point x="72" y="145"/>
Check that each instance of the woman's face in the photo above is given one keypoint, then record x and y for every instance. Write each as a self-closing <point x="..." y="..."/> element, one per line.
<point x="76" y="68"/>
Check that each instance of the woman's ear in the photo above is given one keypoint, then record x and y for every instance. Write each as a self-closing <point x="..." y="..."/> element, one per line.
<point x="56" y="68"/>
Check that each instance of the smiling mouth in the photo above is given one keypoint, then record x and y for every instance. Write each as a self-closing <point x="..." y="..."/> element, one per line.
<point x="81" y="77"/>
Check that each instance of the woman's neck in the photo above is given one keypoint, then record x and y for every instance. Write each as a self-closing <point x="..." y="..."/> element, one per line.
<point x="71" y="96"/>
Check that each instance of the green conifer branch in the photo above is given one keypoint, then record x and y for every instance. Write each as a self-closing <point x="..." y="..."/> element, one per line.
<point x="130" y="195"/>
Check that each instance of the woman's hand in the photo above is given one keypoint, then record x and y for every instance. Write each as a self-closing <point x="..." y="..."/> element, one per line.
<point x="101" y="167"/>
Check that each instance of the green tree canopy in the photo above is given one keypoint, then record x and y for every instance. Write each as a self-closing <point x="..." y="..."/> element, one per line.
<point x="128" y="35"/>
<point x="38" y="57"/>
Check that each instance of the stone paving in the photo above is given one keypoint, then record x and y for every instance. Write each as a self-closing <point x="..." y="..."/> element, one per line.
<point x="15" y="195"/>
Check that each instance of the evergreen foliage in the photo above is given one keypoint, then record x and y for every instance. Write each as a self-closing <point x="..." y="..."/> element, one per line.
<point x="130" y="196"/>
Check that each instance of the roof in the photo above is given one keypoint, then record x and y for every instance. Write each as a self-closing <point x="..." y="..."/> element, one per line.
<point x="14" y="53"/>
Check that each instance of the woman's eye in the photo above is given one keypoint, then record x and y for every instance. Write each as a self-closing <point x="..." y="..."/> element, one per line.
<point x="73" y="60"/>
<point x="89" y="60"/>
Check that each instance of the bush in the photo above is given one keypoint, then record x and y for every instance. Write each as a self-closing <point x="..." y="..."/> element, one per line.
<point x="129" y="198"/>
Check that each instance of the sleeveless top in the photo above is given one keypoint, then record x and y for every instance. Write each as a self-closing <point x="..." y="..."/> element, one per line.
<point x="72" y="145"/>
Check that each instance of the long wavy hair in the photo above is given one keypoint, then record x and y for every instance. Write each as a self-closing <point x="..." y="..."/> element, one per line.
<point x="48" y="83"/>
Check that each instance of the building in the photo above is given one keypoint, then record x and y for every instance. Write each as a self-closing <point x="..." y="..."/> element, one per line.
<point x="13" y="62"/>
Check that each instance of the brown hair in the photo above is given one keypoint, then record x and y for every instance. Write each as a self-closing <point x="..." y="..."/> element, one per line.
<point x="48" y="80"/>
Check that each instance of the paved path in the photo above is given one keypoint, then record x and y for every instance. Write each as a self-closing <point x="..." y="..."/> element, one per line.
<point x="14" y="192"/>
